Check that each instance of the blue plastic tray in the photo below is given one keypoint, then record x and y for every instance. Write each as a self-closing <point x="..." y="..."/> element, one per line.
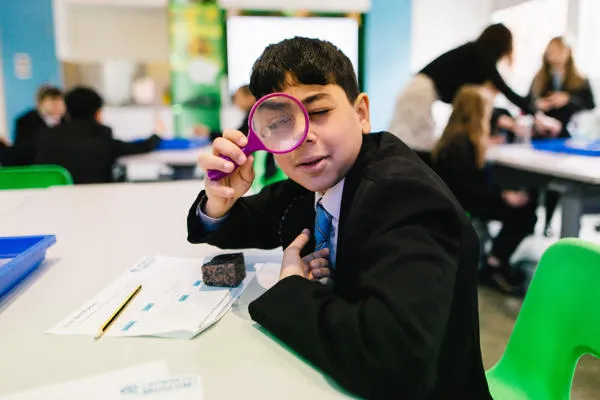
<point x="19" y="256"/>
<point x="569" y="146"/>
<point x="183" y="144"/>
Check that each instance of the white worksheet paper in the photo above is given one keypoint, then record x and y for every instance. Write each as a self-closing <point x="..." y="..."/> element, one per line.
<point x="147" y="381"/>
<point x="173" y="302"/>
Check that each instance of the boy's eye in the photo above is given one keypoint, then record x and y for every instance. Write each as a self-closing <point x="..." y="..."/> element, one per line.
<point x="317" y="113"/>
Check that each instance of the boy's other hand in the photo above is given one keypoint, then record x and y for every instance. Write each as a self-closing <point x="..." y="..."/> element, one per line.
<point x="222" y="194"/>
<point x="313" y="266"/>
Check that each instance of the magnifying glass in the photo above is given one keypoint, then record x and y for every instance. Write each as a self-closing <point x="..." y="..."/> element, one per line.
<point x="278" y="123"/>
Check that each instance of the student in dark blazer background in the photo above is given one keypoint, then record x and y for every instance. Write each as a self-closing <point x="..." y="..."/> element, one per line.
<point x="400" y="319"/>
<point x="561" y="91"/>
<point x="49" y="111"/>
<point x="83" y="145"/>
<point x="5" y="152"/>
<point x="459" y="159"/>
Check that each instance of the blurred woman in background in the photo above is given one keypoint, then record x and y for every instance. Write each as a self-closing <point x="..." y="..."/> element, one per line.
<point x="459" y="159"/>
<point x="561" y="91"/>
<point x="472" y="63"/>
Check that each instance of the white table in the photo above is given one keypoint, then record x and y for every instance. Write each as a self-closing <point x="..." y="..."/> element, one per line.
<point x="101" y="230"/>
<point x="568" y="166"/>
<point x="576" y="177"/>
<point x="11" y="200"/>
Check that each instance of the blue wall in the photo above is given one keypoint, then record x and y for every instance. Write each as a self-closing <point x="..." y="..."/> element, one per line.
<point x="26" y="26"/>
<point x="387" y="62"/>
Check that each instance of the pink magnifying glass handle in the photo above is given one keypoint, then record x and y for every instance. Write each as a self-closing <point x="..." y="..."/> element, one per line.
<point x="215" y="175"/>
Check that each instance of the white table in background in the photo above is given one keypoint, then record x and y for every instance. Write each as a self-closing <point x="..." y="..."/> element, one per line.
<point x="101" y="230"/>
<point x="576" y="177"/>
<point x="168" y="157"/>
<point x="183" y="162"/>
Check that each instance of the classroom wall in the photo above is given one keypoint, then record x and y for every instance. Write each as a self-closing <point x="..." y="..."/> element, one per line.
<point x="387" y="56"/>
<point x="438" y="26"/>
<point x="26" y="27"/>
<point x="92" y="33"/>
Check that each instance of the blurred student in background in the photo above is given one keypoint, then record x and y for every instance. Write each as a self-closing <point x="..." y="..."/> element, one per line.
<point x="49" y="112"/>
<point x="561" y="91"/>
<point x="243" y="99"/>
<point x="83" y="145"/>
<point x="5" y="151"/>
<point x="472" y="63"/>
<point x="459" y="159"/>
<point x="558" y="88"/>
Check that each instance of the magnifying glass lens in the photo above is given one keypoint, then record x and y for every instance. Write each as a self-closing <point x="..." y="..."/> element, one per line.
<point x="280" y="123"/>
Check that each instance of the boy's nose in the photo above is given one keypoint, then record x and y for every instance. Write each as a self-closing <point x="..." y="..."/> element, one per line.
<point x="311" y="137"/>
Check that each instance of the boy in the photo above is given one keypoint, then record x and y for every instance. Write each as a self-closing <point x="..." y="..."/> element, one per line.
<point x="400" y="318"/>
<point x="83" y="145"/>
<point x="49" y="111"/>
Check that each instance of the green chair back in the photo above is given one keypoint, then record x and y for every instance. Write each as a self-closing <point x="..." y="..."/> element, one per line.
<point x="260" y="181"/>
<point x="34" y="177"/>
<point x="558" y="323"/>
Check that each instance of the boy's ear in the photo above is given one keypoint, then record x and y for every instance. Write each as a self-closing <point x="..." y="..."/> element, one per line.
<point x="361" y="105"/>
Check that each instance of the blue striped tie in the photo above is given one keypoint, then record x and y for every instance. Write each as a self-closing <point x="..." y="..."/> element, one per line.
<point x="323" y="228"/>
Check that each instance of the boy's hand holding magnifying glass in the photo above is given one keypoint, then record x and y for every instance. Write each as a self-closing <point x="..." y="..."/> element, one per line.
<point x="278" y="123"/>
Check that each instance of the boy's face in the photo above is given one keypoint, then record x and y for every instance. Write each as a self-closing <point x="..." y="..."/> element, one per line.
<point x="334" y="137"/>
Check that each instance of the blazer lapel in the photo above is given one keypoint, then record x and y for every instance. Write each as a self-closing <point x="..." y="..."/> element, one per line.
<point x="351" y="185"/>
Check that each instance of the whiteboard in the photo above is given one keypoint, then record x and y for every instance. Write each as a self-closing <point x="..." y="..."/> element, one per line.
<point x="247" y="37"/>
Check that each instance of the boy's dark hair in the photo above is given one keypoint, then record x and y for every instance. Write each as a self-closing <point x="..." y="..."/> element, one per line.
<point x="48" y="92"/>
<point x="497" y="40"/>
<point x="306" y="61"/>
<point x="83" y="102"/>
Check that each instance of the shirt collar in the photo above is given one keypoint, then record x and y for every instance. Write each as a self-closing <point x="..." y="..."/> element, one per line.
<point x="332" y="199"/>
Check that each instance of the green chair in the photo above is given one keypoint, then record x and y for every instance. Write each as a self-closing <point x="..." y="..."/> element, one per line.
<point x="35" y="176"/>
<point x="260" y="181"/>
<point x="558" y="323"/>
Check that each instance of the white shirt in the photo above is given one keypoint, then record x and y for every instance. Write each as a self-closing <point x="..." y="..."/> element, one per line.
<point x="331" y="201"/>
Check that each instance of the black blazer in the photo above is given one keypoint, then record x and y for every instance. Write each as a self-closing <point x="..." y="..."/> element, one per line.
<point x="27" y="130"/>
<point x="456" y="165"/>
<point x="579" y="100"/>
<point x="401" y="319"/>
<point x="87" y="149"/>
